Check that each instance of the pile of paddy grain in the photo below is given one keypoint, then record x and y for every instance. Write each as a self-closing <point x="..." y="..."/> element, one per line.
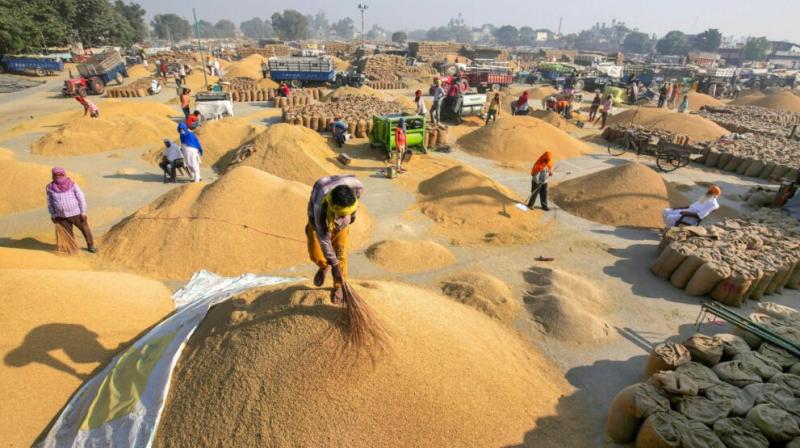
<point x="14" y="258"/>
<point x="554" y="119"/>
<point x="6" y="154"/>
<point x="292" y="152"/>
<point x="482" y="291"/>
<point x="247" y="221"/>
<point x="538" y="93"/>
<point x="121" y="125"/>
<point x="405" y="102"/>
<point x="341" y="65"/>
<point x="521" y="139"/>
<point x="218" y="137"/>
<point x="409" y="256"/>
<point x="248" y="67"/>
<point x="469" y="207"/>
<point x="274" y="367"/>
<point x="567" y="307"/>
<point x="629" y="195"/>
<point x="698" y="100"/>
<point x="696" y="127"/>
<point x="22" y="185"/>
<point x="782" y="100"/>
<point x="138" y="71"/>
<point x="58" y="326"/>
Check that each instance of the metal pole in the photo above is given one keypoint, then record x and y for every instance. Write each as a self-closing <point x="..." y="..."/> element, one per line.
<point x="202" y="58"/>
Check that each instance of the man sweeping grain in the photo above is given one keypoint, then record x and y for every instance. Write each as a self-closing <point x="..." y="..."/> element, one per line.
<point x="693" y="214"/>
<point x="67" y="206"/>
<point x="331" y="209"/>
<point x="540" y="172"/>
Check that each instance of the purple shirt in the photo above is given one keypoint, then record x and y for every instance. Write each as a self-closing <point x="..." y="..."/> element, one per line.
<point x="317" y="211"/>
<point x="67" y="204"/>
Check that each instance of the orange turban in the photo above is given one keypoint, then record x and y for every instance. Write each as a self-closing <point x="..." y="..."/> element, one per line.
<point x="714" y="190"/>
<point x="545" y="160"/>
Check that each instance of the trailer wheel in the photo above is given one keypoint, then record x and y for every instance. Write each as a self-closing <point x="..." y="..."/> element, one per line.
<point x="40" y="72"/>
<point x="97" y="86"/>
<point x="296" y="83"/>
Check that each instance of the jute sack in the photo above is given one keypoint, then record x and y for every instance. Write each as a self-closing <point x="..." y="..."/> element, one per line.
<point x="697" y="435"/>
<point x="737" y="432"/>
<point x="795" y="369"/>
<point x="736" y="373"/>
<point x="712" y="160"/>
<point x="793" y="281"/>
<point x="685" y="271"/>
<point x="674" y="383"/>
<point x="731" y="291"/>
<point x="740" y="400"/>
<point x="733" y="164"/>
<point x="630" y="407"/>
<point x="758" y="364"/>
<point x="752" y="340"/>
<point x="795" y="443"/>
<point x="706" y="278"/>
<point x="742" y="168"/>
<point x="670" y="429"/>
<point x="775" y="394"/>
<point x="755" y="168"/>
<point x="779" y="356"/>
<point x="732" y="345"/>
<point x="702" y="409"/>
<point x="724" y="158"/>
<point x="704" y="349"/>
<point x="666" y="356"/>
<point x="670" y="258"/>
<point x="702" y="375"/>
<point x="777" y="425"/>
<point x="789" y="381"/>
<point x="777" y="311"/>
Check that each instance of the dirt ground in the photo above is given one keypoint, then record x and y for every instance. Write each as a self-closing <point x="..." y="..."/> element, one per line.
<point x="645" y="310"/>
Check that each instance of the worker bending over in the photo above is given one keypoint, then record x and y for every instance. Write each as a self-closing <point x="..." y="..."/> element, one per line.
<point x="192" y="151"/>
<point x="339" y="131"/>
<point x="540" y="172"/>
<point x="693" y="214"/>
<point x="331" y="209"/>
<point x="88" y="107"/>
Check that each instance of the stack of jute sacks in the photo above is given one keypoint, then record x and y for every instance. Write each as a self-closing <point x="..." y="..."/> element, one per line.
<point x="751" y="119"/>
<point x="356" y="110"/>
<point x="725" y="390"/>
<point x="733" y="260"/>
<point x="756" y="155"/>
<point x="298" y="96"/>
<point x="429" y="51"/>
<point x="435" y="135"/>
<point x="385" y="85"/>
<point x="267" y="51"/>
<point x="174" y="56"/>
<point x="135" y="89"/>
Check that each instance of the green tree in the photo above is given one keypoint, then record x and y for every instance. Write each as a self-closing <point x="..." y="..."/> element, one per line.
<point x="290" y="25"/>
<point x="709" y="40"/>
<point x="344" y="28"/>
<point x="30" y="25"/>
<point x="171" y="26"/>
<point x="225" y="28"/>
<point x="134" y="15"/>
<point x="205" y="28"/>
<point x="320" y="26"/>
<point x="507" y="35"/>
<point x="675" y="42"/>
<point x="756" y="49"/>
<point x="399" y="37"/>
<point x="256" y="28"/>
<point x="636" y="42"/>
<point x="527" y="36"/>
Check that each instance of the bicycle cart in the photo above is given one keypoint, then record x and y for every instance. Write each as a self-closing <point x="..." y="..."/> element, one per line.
<point x="671" y="152"/>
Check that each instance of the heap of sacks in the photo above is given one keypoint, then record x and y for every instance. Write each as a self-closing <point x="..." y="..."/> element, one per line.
<point x="754" y="119"/>
<point x="733" y="260"/>
<point x="755" y="155"/>
<point x="726" y="390"/>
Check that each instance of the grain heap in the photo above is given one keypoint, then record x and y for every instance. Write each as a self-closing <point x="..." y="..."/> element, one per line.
<point x="121" y="125"/>
<point x="51" y="343"/>
<point x="22" y="185"/>
<point x="542" y="92"/>
<point x="248" y="67"/>
<point x="290" y="152"/>
<point x="134" y="89"/>
<point x="567" y="307"/>
<point x="755" y="155"/>
<point x="716" y="391"/>
<point x="698" y="100"/>
<point x="630" y="195"/>
<point x="783" y="100"/>
<point x="228" y="227"/>
<point x="138" y="71"/>
<point x="759" y="120"/>
<point x="286" y="344"/>
<point x="521" y="139"/>
<point x="386" y="71"/>
<point x="405" y="256"/>
<point x="470" y="208"/>
<point x="554" y="119"/>
<point x="482" y="291"/>
<point x="356" y="110"/>
<point x="697" y="128"/>
<point x="733" y="260"/>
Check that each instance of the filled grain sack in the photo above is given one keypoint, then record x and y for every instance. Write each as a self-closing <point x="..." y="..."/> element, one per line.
<point x="732" y="291"/>
<point x="630" y="407"/>
<point x="674" y="383"/>
<point x="775" y="394"/>
<point x="669" y="259"/>
<point x="795" y="443"/>
<point x="789" y="381"/>
<point x="666" y="356"/>
<point x="795" y="369"/>
<point x="776" y="424"/>
<point x="706" y="278"/>
<point x="702" y="375"/>
<point x="672" y="430"/>
<point x="737" y="372"/>
<point x="777" y="355"/>
<point x="752" y="340"/>
<point x="704" y="349"/>
<point x="736" y="432"/>
<point x="732" y="345"/>
<point x="680" y="276"/>
<point x="739" y="399"/>
<point x="758" y="363"/>
<point x="702" y="409"/>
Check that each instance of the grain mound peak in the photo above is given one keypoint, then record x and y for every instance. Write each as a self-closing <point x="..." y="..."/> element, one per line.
<point x="696" y="127"/>
<point x="782" y="100"/>
<point x="409" y="256"/>
<point x="22" y="185"/>
<point x="482" y="291"/>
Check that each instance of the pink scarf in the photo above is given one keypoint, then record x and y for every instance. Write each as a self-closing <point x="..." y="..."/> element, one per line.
<point x="60" y="184"/>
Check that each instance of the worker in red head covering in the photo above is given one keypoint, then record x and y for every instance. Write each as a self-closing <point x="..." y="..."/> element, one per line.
<point x="540" y="172"/>
<point x="522" y="104"/>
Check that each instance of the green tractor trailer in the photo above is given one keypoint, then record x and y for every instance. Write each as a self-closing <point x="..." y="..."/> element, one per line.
<point x="383" y="127"/>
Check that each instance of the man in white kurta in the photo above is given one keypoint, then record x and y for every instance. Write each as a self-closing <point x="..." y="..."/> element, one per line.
<point x="696" y="212"/>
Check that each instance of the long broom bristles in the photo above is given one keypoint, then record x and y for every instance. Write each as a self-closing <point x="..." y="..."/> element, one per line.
<point x="65" y="243"/>
<point x="364" y="326"/>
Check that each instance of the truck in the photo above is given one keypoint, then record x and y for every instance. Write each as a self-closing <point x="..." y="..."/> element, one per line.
<point x="214" y="105"/>
<point x="95" y="73"/>
<point x="489" y="76"/>
<point x="31" y="65"/>
<point x="302" y="70"/>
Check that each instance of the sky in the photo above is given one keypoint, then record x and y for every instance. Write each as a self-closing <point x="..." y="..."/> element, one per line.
<point x="776" y="19"/>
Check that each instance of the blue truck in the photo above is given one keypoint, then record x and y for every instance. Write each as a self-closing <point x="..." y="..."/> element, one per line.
<point x="30" y="65"/>
<point x="95" y="73"/>
<point x="302" y="70"/>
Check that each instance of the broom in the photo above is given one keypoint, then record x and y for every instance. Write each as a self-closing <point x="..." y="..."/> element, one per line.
<point x="364" y="327"/>
<point x="65" y="243"/>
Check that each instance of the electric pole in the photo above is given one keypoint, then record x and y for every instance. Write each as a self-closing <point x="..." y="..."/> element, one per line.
<point x="200" y="47"/>
<point x="362" y="7"/>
